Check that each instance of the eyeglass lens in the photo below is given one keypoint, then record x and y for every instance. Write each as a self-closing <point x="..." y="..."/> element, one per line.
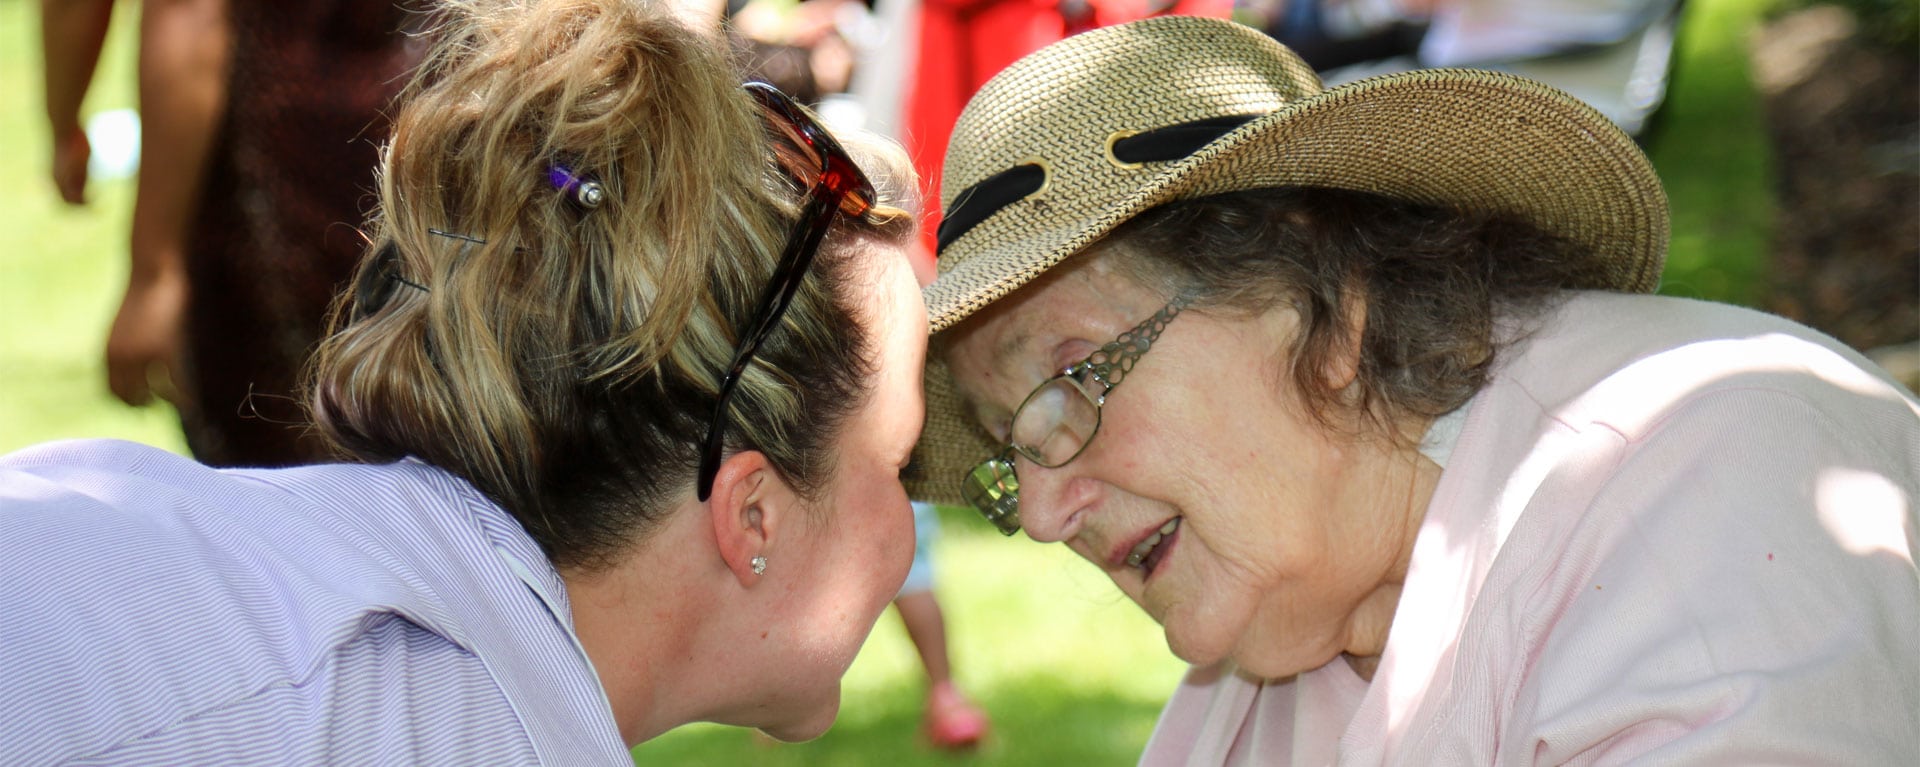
<point x="994" y="490"/>
<point x="1056" y="422"/>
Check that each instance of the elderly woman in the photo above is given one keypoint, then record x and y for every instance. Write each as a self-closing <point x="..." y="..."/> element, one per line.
<point x="1406" y="465"/>
<point x="629" y="378"/>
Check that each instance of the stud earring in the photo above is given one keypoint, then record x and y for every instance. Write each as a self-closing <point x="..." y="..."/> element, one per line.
<point x="759" y="565"/>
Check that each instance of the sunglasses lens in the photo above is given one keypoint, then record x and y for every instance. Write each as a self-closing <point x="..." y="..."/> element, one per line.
<point x="994" y="490"/>
<point x="810" y="154"/>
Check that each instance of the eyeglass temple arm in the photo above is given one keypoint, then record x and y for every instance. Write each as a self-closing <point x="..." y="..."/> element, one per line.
<point x="1113" y="361"/>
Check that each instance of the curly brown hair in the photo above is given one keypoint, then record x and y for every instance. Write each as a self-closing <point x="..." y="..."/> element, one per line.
<point x="1436" y="284"/>
<point x="567" y="365"/>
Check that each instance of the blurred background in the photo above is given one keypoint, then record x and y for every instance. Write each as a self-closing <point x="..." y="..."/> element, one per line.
<point x="1788" y="139"/>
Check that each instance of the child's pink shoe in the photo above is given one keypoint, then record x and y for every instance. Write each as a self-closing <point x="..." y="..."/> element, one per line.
<point x="953" y="722"/>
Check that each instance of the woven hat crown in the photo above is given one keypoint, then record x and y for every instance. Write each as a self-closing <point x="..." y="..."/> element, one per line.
<point x="1061" y="104"/>
<point x="1062" y="109"/>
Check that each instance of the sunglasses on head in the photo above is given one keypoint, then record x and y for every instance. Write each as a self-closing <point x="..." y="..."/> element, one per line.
<point x="816" y="162"/>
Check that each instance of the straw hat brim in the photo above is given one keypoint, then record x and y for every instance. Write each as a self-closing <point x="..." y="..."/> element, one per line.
<point x="1461" y="139"/>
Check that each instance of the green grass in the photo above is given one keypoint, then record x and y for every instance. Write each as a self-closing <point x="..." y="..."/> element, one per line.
<point x="1712" y="156"/>
<point x="1070" y="671"/>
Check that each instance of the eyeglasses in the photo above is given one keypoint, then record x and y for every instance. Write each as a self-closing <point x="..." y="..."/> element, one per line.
<point x="811" y="156"/>
<point x="1056" y="422"/>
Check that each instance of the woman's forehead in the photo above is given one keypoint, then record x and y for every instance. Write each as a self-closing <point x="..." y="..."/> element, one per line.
<point x="1081" y="294"/>
<point x="1003" y="334"/>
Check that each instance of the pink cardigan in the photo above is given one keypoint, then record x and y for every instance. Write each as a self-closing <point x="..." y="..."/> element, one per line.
<point x="1670" y="532"/>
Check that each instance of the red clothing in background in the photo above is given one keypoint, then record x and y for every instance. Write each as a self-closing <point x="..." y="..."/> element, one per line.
<point x="964" y="43"/>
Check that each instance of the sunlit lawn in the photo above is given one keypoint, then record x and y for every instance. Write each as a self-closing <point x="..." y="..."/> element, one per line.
<point x="1071" y="673"/>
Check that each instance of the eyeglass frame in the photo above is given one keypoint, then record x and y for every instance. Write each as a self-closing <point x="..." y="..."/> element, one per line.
<point x="837" y="186"/>
<point x="999" y="502"/>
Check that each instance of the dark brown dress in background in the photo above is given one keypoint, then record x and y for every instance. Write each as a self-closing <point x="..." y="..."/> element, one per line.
<point x="289" y="181"/>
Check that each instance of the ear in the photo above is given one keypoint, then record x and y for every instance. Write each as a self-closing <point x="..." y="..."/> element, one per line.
<point x="749" y="508"/>
<point x="1343" y="360"/>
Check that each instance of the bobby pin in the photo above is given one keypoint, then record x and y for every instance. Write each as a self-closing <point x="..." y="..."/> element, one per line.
<point x="456" y="236"/>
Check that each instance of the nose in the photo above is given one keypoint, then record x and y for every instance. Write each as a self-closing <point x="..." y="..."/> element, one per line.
<point x="1053" y="504"/>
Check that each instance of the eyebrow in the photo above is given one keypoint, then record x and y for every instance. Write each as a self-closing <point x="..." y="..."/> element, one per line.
<point x="1008" y="348"/>
<point x="971" y="405"/>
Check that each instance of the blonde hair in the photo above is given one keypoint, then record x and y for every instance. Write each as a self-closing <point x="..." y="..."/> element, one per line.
<point x="565" y="360"/>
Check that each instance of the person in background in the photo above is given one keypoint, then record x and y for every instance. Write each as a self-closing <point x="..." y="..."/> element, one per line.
<point x="260" y="128"/>
<point x="628" y="378"/>
<point x="1408" y="464"/>
<point x="952" y="721"/>
<point x="1616" y="55"/>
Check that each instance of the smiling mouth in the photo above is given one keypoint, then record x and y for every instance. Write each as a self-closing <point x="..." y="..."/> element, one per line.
<point x="1147" y="554"/>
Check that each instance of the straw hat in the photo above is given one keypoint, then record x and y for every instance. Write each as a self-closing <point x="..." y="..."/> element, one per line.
<point x="1078" y="137"/>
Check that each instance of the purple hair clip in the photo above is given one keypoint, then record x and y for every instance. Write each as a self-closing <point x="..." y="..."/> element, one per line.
<point x="587" y="192"/>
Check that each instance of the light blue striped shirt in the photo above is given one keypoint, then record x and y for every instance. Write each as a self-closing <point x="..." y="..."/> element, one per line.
<point x="156" y="611"/>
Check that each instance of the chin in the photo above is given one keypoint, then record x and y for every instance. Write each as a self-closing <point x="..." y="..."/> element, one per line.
<point x="1278" y="662"/>
<point x="1264" y="666"/>
<point x="1205" y="632"/>
<point x="1249" y="651"/>
<point x="808" y="724"/>
<point x="1197" y="648"/>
